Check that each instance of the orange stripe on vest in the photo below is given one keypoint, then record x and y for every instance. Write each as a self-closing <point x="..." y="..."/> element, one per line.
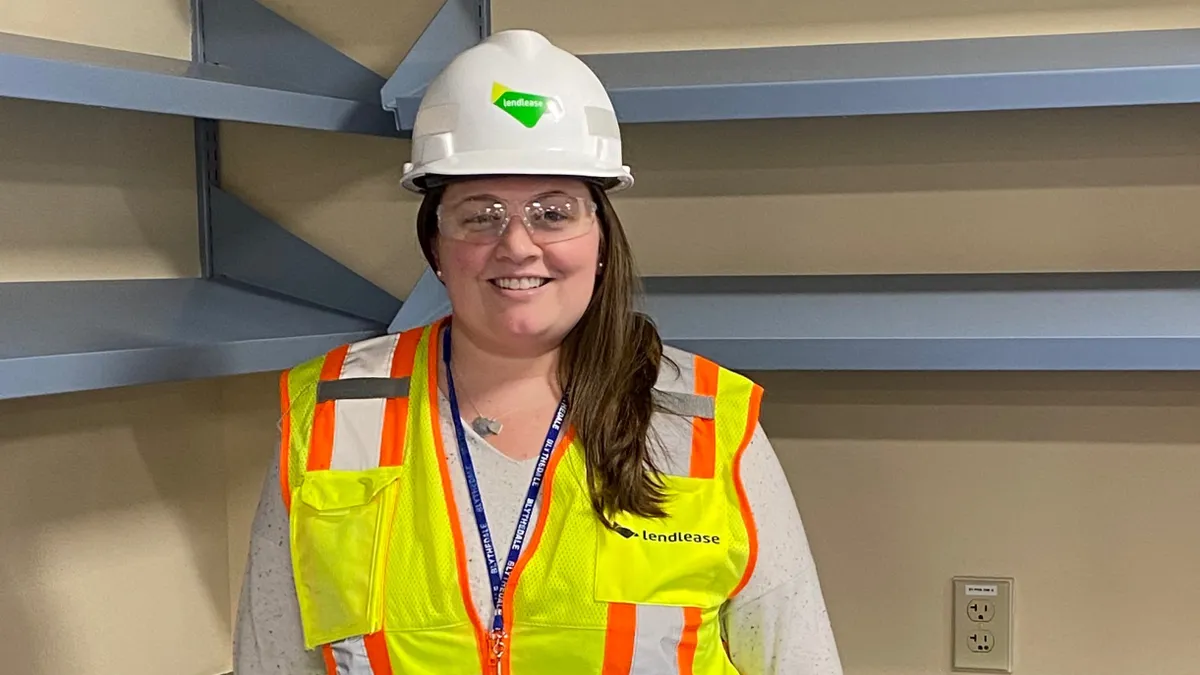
<point x="689" y="639"/>
<point x="395" y="416"/>
<point x="704" y="430"/>
<point x="618" y="641"/>
<point x="325" y="414"/>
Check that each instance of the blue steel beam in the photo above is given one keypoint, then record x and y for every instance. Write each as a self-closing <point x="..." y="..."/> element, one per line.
<point x="50" y="70"/>
<point x="935" y="76"/>
<point x="73" y="336"/>
<point x="248" y="37"/>
<point x="980" y="74"/>
<point x="1082" y="321"/>
<point x="1135" y="321"/>
<point x="458" y="24"/>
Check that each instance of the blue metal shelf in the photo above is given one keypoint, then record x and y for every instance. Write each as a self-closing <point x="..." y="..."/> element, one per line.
<point x="72" y="336"/>
<point x="1136" y="321"/>
<point x="936" y="76"/>
<point x="49" y="70"/>
<point x="1007" y="73"/>
<point x="87" y="335"/>
<point x="1076" y="321"/>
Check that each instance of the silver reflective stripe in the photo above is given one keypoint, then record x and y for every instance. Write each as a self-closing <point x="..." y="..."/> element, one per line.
<point x="362" y="387"/>
<point x="691" y="405"/>
<point x="358" y="425"/>
<point x="672" y="427"/>
<point x="350" y="655"/>
<point x="601" y="122"/>
<point x="437" y="119"/>
<point x="656" y="640"/>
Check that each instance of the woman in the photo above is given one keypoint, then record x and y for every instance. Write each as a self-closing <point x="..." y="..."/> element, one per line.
<point x="654" y="529"/>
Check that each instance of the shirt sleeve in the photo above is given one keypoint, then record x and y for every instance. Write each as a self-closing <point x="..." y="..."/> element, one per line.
<point x="778" y="624"/>
<point x="267" y="636"/>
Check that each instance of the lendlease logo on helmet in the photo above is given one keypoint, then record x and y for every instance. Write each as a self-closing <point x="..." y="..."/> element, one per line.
<point x="672" y="538"/>
<point x="526" y="108"/>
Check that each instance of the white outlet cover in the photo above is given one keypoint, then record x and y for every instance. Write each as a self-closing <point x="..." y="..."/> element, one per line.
<point x="982" y="607"/>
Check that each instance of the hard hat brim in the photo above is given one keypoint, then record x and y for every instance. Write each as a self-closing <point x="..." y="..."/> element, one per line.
<point x="516" y="162"/>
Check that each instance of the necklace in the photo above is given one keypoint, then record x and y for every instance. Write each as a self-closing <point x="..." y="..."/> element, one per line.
<point x="484" y="426"/>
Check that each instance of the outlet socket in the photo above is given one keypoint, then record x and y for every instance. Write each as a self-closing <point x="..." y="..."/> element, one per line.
<point x="981" y="641"/>
<point x="981" y="610"/>
<point x="983" y="625"/>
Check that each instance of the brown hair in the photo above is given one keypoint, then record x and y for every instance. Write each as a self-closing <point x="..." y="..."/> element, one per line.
<point x="608" y="367"/>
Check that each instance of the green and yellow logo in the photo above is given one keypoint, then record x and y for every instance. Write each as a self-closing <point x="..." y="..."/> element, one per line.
<point x="526" y="108"/>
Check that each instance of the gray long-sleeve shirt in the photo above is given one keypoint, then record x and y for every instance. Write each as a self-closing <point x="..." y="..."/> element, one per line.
<point x="777" y="625"/>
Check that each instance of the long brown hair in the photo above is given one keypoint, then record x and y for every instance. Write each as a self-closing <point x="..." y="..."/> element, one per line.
<point x="608" y="368"/>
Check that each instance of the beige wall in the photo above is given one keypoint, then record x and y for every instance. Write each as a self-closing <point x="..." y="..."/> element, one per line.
<point x="1078" y="485"/>
<point x="113" y="518"/>
<point x="377" y="35"/>
<point x="88" y="193"/>
<point x="113" y="504"/>
<point x="161" y="27"/>
<point x="340" y="192"/>
<point x="249" y="417"/>
<point x="1054" y="190"/>
<point x="632" y="25"/>
<point x="1081" y="486"/>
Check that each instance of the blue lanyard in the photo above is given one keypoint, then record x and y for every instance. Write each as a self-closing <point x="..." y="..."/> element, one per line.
<point x="499" y="579"/>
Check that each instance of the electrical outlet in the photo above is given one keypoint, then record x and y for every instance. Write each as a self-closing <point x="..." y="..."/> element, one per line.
<point x="981" y="610"/>
<point x="983" y="625"/>
<point x="980" y="641"/>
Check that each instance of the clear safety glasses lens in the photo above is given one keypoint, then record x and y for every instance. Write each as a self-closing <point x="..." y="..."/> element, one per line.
<point x="548" y="219"/>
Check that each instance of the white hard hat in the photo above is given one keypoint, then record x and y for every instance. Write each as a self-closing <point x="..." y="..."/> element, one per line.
<point x="516" y="104"/>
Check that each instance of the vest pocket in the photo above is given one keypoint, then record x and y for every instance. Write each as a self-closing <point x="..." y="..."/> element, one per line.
<point x="679" y="560"/>
<point x="339" y="524"/>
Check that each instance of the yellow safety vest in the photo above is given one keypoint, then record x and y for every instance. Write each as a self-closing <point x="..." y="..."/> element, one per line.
<point x="379" y="557"/>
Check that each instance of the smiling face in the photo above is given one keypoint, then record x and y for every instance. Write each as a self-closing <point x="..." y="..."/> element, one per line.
<point x="519" y="292"/>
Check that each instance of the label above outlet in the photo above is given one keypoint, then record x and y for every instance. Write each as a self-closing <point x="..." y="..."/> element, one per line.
<point x="982" y="589"/>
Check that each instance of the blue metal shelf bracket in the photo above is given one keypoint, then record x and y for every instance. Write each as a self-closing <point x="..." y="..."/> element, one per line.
<point x="248" y="64"/>
<point x="426" y="302"/>
<point x="238" y="243"/>
<point x="458" y="24"/>
<point x="207" y="178"/>
<point x="251" y="249"/>
<point x="249" y="38"/>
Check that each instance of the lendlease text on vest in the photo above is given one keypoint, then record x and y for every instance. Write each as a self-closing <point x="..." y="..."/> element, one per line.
<point x="672" y="538"/>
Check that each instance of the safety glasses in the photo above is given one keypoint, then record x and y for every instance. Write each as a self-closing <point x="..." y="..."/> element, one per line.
<point x="548" y="218"/>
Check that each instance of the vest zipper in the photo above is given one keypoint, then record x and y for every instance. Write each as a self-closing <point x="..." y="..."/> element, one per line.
<point x="497" y="640"/>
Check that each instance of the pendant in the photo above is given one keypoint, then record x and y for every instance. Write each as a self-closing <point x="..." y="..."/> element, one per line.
<point x="486" y="426"/>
